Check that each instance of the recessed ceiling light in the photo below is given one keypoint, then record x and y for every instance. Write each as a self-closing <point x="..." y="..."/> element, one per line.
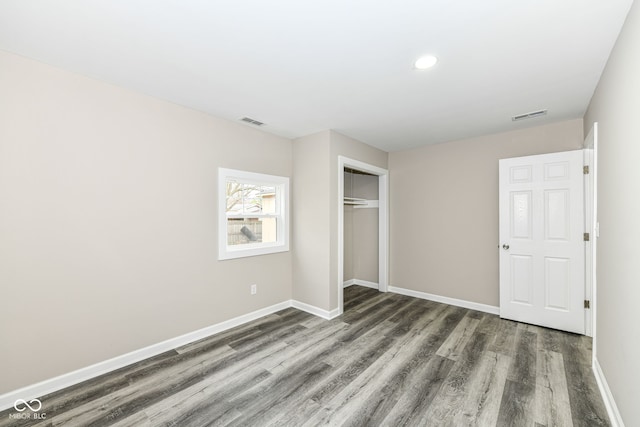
<point x="425" y="62"/>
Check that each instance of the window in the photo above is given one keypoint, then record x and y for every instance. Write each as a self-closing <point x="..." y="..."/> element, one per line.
<point x="253" y="214"/>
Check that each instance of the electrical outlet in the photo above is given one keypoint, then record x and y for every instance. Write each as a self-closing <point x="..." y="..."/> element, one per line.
<point x="254" y="289"/>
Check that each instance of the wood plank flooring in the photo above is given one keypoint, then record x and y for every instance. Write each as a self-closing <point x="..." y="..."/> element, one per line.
<point x="389" y="360"/>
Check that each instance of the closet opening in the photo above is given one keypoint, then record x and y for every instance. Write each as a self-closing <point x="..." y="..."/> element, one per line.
<point x="363" y="223"/>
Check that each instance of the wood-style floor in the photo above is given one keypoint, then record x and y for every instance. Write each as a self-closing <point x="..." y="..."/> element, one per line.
<point x="390" y="360"/>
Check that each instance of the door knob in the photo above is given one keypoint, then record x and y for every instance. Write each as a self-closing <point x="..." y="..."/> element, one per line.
<point x="505" y="246"/>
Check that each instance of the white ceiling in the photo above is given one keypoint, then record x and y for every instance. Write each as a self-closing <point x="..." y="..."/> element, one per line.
<point x="303" y="66"/>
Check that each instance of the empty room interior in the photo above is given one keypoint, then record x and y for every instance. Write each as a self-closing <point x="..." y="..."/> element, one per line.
<point x="319" y="213"/>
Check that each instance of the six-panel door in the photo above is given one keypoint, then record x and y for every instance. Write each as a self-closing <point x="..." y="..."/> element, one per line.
<point x="541" y="240"/>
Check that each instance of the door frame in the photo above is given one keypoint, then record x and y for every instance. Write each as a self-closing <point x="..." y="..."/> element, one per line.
<point x="590" y="148"/>
<point x="383" y="223"/>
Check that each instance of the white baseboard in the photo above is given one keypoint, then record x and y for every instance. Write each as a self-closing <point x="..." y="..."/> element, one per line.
<point x="446" y="300"/>
<point x="315" y="310"/>
<point x="7" y="400"/>
<point x="609" y="402"/>
<point x="348" y="283"/>
<point x="360" y="282"/>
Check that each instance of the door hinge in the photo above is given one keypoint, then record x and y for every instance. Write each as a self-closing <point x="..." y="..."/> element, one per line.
<point x="587" y="303"/>
<point x="585" y="237"/>
<point x="585" y="170"/>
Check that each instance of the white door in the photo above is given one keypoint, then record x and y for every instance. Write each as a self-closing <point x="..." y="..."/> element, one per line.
<point x="542" y="240"/>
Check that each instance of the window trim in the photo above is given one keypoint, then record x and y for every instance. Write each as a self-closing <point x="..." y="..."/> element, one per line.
<point x="281" y="183"/>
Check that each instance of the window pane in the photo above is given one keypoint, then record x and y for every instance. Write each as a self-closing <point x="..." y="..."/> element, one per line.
<point x="242" y="231"/>
<point x="234" y="197"/>
<point x="269" y="200"/>
<point x="269" y="230"/>
<point x="252" y="199"/>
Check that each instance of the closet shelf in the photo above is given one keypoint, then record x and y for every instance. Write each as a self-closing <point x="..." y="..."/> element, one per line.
<point x="354" y="201"/>
<point x="358" y="203"/>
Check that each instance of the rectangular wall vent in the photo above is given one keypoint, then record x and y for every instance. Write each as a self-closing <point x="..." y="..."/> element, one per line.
<point x="251" y="121"/>
<point x="529" y="115"/>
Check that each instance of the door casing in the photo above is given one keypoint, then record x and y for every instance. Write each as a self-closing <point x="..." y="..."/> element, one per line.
<point x="383" y="224"/>
<point x="591" y="226"/>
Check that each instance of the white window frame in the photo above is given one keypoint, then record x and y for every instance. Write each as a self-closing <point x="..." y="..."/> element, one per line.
<point x="281" y="184"/>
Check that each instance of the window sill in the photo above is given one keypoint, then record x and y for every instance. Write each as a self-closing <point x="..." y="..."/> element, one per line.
<point x="255" y="251"/>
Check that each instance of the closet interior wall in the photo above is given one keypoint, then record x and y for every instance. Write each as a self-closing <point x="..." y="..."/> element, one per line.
<point x="361" y="229"/>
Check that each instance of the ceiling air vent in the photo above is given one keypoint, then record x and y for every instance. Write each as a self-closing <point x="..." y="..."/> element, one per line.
<point x="529" y="115"/>
<point x="251" y="121"/>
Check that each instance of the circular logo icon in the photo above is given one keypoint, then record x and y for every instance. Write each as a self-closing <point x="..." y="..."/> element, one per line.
<point x="22" y="405"/>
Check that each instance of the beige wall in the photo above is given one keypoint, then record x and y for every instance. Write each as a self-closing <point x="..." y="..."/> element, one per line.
<point x="616" y="107"/>
<point x="444" y="209"/>
<point x="361" y="229"/>
<point x="365" y="245"/>
<point x="347" y="272"/>
<point x="108" y="213"/>
<point x="310" y="236"/>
